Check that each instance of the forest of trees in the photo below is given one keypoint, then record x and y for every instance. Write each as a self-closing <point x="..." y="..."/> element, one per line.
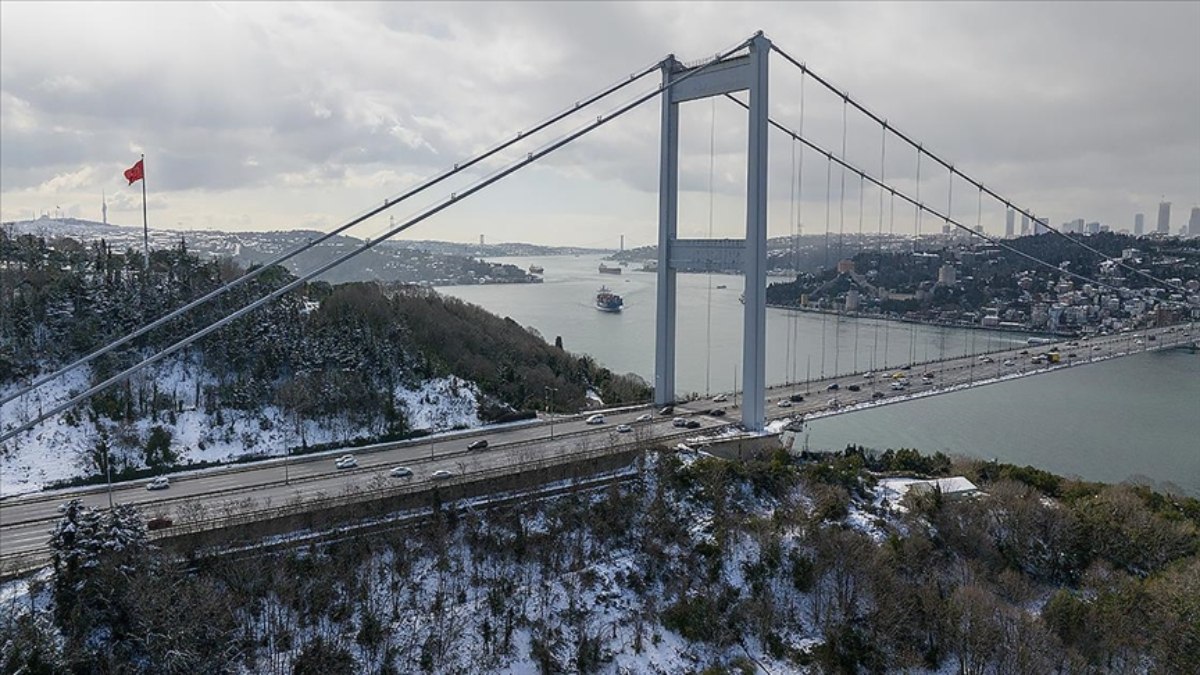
<point x="319" y="352"/>
<point x="695" y="564"/>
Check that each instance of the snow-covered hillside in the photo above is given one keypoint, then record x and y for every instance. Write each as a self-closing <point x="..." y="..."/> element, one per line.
<point x="59" y="448"/>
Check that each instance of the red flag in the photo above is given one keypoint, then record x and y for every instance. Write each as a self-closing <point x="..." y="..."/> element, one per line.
<point x="134" y="173"/>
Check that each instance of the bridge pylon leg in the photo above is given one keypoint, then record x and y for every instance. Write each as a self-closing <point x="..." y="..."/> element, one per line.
<point x="748" y="72"/>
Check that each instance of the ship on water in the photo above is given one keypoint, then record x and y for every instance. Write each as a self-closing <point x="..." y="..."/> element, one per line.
<point x="605" y="269"/>
<point x="607" y="301"/>
<point x="536" y="269"/>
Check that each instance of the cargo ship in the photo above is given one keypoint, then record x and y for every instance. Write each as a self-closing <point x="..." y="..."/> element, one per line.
<point x="605" y="269"/>
<point x="607" y="301"/>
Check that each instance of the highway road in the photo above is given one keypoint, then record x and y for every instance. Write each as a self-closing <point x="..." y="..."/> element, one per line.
<point x="26" y="520"/>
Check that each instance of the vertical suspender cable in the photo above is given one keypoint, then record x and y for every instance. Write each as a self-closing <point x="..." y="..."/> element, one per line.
<point x="712" y="155"/>
<point x="837" y="318"/>
<point x="789" y="366"/>
<point x="828" y="204"/>
<point x="795" y="332"/>
<point x="858" y="314"/>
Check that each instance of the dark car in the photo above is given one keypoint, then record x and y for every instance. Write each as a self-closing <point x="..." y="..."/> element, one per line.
<point x="878" y="394"/>
<point x="478" y="445"/>
<point x="692" y="424"/>
<point x="667" y="410"/>
<point x="833" y="387"/>
<point x="906" y="368"/>
<point x="159" y="523"/>
<point x="796" y="398"/>
<point x="717" y="412"/>
<point x="854" y="387"/>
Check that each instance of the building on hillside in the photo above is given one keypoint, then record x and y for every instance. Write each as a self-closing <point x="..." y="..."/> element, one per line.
<point x="1139" y="224"/>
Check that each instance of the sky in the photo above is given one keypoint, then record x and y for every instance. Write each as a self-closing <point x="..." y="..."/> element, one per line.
<point x="282" y="116"/>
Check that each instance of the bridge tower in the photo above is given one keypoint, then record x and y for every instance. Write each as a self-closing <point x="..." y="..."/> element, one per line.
<point x="748" y="72"/>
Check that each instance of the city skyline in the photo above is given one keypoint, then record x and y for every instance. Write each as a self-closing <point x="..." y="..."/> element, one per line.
<point x="301" y="120"/>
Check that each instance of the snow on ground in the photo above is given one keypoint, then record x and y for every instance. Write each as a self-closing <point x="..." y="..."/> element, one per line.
<point x="55" y="450"/>
<point x="441" y="404"/>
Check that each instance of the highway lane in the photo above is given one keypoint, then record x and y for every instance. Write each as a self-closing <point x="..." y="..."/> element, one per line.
<point x="25" y="521"/>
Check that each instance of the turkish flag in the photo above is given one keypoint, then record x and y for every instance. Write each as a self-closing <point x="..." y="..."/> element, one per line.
<point x="134" y="173"/>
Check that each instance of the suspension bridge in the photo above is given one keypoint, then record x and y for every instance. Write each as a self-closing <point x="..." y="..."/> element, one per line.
<point x="742" y="75"/>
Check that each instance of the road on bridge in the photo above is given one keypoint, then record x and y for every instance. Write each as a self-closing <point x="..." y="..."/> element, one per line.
<point x="25" y="521"/>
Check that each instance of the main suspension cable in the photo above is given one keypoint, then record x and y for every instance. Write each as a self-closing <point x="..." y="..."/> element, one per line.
<point x="530" y="158"/>
<point x="904" y="137"/>
<point x="387" y="204"/>
<point x="934" y="212"/>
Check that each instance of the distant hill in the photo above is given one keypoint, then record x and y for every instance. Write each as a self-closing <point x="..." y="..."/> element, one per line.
<point x="428" y="263"/>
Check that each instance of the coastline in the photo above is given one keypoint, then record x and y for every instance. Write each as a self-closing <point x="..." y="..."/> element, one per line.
<point x="923" y="322"/>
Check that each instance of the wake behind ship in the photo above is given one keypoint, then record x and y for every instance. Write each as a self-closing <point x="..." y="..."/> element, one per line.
<point x="607" y="301"/>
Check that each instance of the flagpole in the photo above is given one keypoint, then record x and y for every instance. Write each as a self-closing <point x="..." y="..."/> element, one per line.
<point x="145" y="225"/>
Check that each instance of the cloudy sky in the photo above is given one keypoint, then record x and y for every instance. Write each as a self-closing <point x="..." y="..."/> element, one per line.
<point x="288" y="115"/>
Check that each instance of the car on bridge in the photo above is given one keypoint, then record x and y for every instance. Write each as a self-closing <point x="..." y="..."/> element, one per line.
<point x="160" y="483"/>
<point x="346" y="462"/>
<point x="401" y="472"/>
<point x="717" y="412"/>
<point x="159" y="523"/>
<point x="692" y="424"/>
<point x="878" y="394"/>
<point x="441" y="474"/>
<point x="679" y="422"/>
<point x="667" y="410"/>
<point x="595" y="419"/>
<point x="784" y="403"/>
<point x="833" y="387"/>
<point x="624" y="428"/>
<point x="720" y="398"/>
<point x="478" y="445"/>
<point x="796" y="398"/>
<point x="644" y="418"/>
<point x="854" y="387"/>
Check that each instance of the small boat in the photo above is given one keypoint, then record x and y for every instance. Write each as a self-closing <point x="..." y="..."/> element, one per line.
<point x="605" y="269"/>
<point x="536" y="269"/>
<point x="721" y="287"/>
<point x="607" y="301"/>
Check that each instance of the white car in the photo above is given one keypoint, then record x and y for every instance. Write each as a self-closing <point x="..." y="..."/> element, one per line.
<point x="784" y="403"/>
<point x="1009" y="362"/>
<point x="679" y="422"/>
<point x="868" y="375"/>
<point x="644" y="418"/>
<point x="401" y="472"/>
<point x="160" y="483"/>
<point x="440" y="474"/>
<point x="624" y="428"/>
<point x="596" y="419"/>
<point x="346" y="462"/>
<point x="720" y="398"/>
